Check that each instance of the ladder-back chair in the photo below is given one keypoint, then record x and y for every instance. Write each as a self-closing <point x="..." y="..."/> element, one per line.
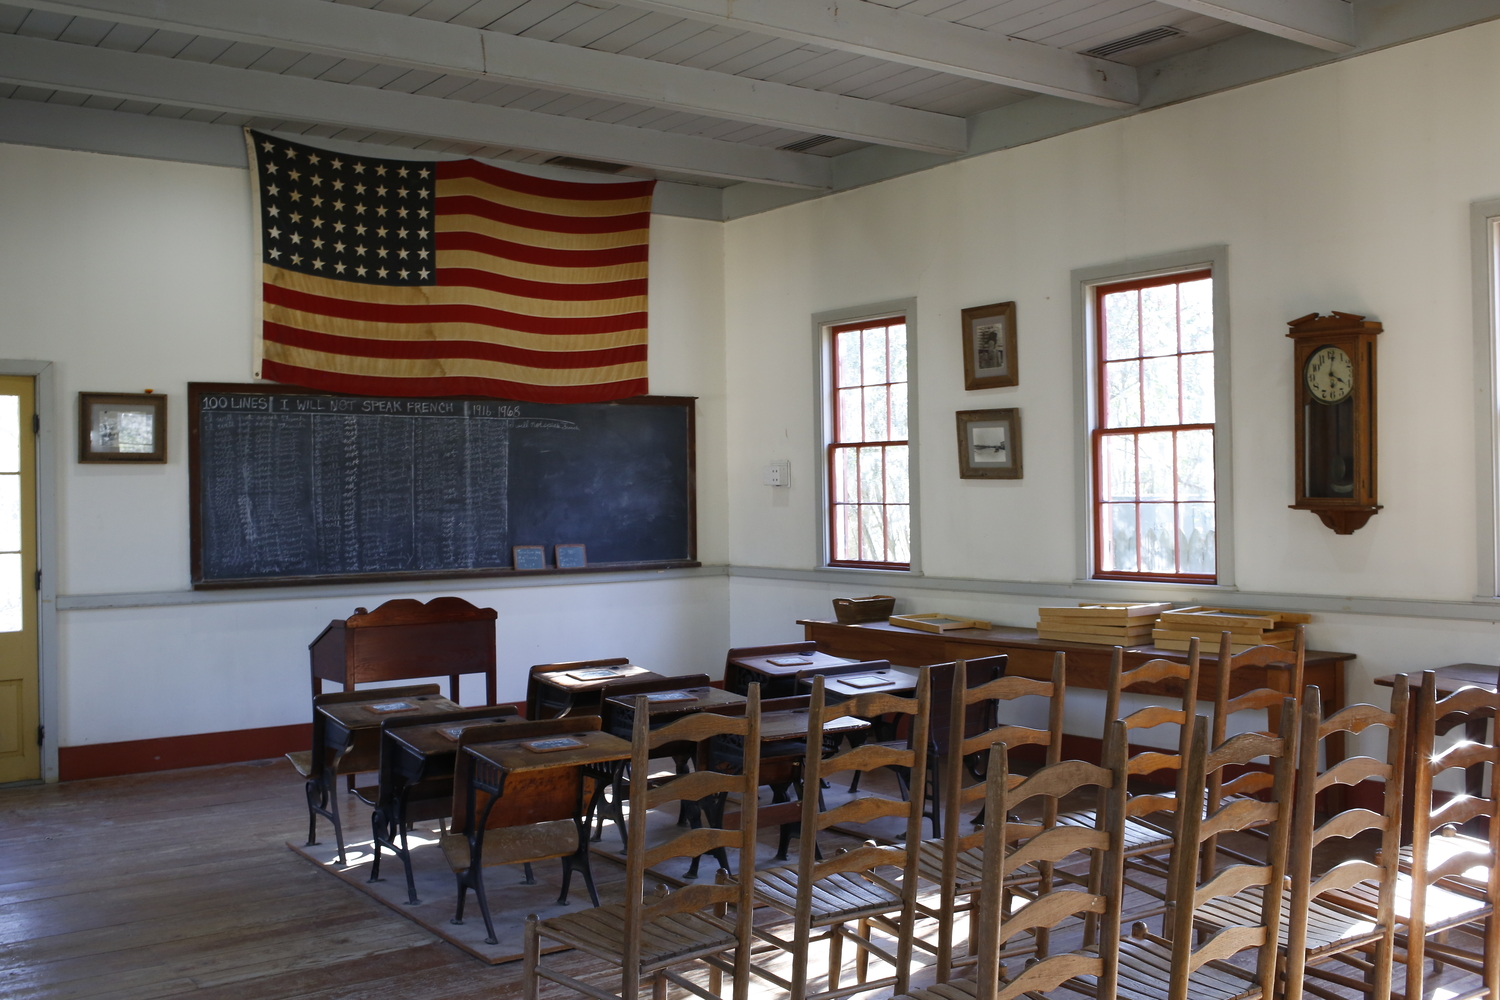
<point x="648" y="937"/>
<point x="826" y="895"/>
<point x="1179" y="968"/>
<point x="1149" y="843"/>
<point x="956" y="863"/>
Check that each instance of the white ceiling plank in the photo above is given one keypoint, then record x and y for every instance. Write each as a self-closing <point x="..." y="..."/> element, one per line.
<point x="356" y="33"/>
<point x="127" y="75"/>
<point x="1323" y="24"/>
<point x="873" y="30"/>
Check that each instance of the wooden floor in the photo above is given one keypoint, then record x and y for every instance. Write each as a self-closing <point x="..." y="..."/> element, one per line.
<point x="180" y="884"/>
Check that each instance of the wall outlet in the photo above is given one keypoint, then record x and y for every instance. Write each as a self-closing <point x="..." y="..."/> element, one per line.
<point x="777" y="474"/>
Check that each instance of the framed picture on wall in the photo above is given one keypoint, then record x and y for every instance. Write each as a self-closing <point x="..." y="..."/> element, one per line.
<point x="989" y="444"/>
<point x="122" y="427"/>
<point x="990" y="346"/>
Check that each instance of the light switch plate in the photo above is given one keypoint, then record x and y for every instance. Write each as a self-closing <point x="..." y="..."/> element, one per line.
<point x="777" y="474"/>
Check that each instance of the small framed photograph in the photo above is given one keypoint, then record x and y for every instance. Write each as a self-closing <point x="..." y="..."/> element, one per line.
<point x="571" y="556"/>
<point x="989" y="444"/>
<point x="529" y="556"/>
<point x="122" y="427"/>
<point x="990" y="346"/>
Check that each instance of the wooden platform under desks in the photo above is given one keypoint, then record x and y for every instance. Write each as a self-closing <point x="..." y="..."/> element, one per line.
<point x="1088" y="663"/>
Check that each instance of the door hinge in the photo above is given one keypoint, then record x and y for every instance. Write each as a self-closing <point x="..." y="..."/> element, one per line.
<point x="41" y="735"/>
<point x="36" y="581"/>
<point x="36" y="423"/>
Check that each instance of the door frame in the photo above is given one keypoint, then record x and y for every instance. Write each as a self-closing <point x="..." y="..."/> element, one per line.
<point x="44" y="373"/>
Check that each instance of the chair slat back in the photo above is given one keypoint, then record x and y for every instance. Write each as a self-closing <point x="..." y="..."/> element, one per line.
<point x="1179" y="712"/>
<point x="1008" y="845"/>
<point x="1196" y="834"/>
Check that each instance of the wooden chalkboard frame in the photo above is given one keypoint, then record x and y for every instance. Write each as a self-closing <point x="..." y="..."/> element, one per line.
<point x="196" y="390"/>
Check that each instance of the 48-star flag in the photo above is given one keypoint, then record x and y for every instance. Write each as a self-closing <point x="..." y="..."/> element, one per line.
<point x="418" y="278"/>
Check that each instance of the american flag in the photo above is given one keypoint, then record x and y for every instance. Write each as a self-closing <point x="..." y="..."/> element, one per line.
<point x="415" y="278"/>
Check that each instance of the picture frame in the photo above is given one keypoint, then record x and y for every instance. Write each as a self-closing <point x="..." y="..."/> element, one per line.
<point x="990" y="359"/>
<point x="128" y="427"/>
<point x="989" y="444"/>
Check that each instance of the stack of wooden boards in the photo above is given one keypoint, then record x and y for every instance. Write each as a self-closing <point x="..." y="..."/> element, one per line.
<point x="1108" y="624"/>
<point x="1247" y="628"/>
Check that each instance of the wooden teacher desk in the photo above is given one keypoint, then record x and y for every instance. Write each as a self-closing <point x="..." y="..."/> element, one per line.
<point x="404" y="640"/>
<point x="1088" y="664"/>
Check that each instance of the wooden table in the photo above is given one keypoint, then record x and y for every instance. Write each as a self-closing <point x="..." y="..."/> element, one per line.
<point x="1450" y="679"/>
<point x="404" y="640"/>
<point x="559" y="693"/>
<point x="346" y="739"/>
<point x="540" y="784"/>
<point x="409" y="756"/>
<point x="778" y="680"/>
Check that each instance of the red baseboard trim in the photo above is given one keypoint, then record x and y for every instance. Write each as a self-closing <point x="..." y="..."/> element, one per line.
<point x="167" y="753"/>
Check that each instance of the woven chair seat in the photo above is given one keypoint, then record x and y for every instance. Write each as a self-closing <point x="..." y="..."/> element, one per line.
<point x="1146" y="974"/>
<point x="1328" y="926"/>
<point x="1140" y="838"/>
<point x="1441" y="849"/>
<point x="835" y="899"/>
<point x="680" y="937"/>
<point x="1445" y="908"/>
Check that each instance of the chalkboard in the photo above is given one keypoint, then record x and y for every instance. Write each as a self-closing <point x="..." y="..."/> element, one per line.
<point x="296" y="486"/>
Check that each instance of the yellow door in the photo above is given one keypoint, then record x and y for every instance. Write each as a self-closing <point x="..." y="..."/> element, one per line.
<point x="20" y="754"/>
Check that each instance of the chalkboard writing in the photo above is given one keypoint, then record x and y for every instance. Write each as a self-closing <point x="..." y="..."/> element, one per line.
<point x="293" y="486"/>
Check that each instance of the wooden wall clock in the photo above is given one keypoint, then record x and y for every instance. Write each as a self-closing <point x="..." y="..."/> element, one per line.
<point x="1335" y="374"/>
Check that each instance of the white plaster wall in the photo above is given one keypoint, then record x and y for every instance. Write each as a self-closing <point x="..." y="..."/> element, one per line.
<point x="131" y="274"/>
<point x="1345" y="187"/>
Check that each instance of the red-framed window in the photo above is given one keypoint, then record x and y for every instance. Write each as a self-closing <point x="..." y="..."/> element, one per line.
<point x="1153" y="444"/>
<point x="869" y="509"/>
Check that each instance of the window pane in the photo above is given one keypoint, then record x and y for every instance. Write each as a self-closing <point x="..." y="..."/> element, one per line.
<point x="1196" y="528"/>
<point x="897" y="346"/>
<point x="1195" y="465"/>
<point x="1121" y="323"/>
<point x="845" y="475"/>
<point x="846" y="532"/>
<point x="851" y="415"/>
<point x="1122" y="394"/>
<point x="1158" y="538"/>
<point x="1197" y="388"/>
<point x="10" y="513"/>
<point x="10" y="593"/>
<point x="1197" y="305"/>
<point x="875" y="367"/>
<point x="1160" y="390"/>
<point x="872" y="533"/>
<point x="877" y="412"/>
<point x="847" y="347"/>
<point x="898" y="412"/>
<point x="1118" y="475"/>
<point x="10" y="433"/>
<point x="1157" y="474"/>
<point x="1119" y="538"/>
<point x="871" y="475"/>
<point x="899" y="527"/>
<point x="1159" y="320"/>
<point x="896" y="475"/>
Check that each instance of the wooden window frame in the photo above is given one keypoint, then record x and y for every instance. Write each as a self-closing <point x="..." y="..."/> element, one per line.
<point x="834" y="445"/>
<point x="1100" y="433"/>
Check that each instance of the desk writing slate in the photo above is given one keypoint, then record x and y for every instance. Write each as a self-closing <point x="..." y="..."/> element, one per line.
<point x="297" y="486"/>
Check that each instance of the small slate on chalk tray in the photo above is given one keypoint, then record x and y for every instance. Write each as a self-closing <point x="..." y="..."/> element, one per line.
<point x="571" y="557"/>
<point x="529" y="556"/>
<point x="556" y="743"/>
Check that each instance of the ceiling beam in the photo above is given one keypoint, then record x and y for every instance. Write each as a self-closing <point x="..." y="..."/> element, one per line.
<point x="84" y="69"/>
<point x="913" y="40"/>
<point x="1323" y="24"/>
<point x="393" y="39"/>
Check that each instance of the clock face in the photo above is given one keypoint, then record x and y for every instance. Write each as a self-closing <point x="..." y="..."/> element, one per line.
<point x="1329" y="375"/>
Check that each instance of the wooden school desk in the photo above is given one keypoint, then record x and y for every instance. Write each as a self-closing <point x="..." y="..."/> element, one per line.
<point x="558" y="692"/>
<point x="406" y="639"/>
<point x="778" y="680"/>
<point x="704" y="699"/>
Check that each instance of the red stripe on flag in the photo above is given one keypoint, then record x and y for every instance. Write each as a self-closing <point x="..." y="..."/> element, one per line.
<point x="451" y="385"/>
<point x="468" y="204"/>
<point x="572" y="190"/>
<point x="360" y="347"/>
<point x="379" y="312"/>
<point x="544" y="256"/>
<point x="552" y="291"/>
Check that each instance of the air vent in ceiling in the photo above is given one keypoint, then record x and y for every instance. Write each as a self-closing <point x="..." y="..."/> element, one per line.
<point x="1134" y="41"/>
<point x="577" y="163"/>
<point x="803" y="145"/>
